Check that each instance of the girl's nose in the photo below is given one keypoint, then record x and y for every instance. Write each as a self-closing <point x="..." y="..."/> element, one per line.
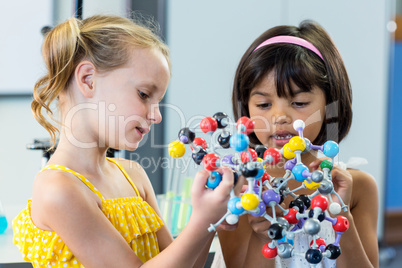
<point x="281" y="119"/>
<point x="281" y="115"/>
<point x="154" y="115"/>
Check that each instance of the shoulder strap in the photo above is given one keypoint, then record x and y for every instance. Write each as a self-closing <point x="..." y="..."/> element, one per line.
<point x="125" y="174"/>
<point x="78" y="175"/>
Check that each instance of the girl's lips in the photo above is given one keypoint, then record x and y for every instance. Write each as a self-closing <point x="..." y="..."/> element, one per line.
<point x="142" y="131"/>
<point x="139" y="132"/>
<point x="280" y="138"/>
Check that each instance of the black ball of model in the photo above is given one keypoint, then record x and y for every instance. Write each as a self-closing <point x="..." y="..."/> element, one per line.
<point x="298" y="204"/>
<point x="186" y="136"/>
<point x="248" y="172"/>
<point x="334" y="250"/>
<point x="275" y="231"/>
<point x="321" y="216"/>
<point x="260" y="150"/>
<point x="224" y="141"/>
<point x="313" y="256"/>
<point x="198" y="156"/>
<point x="221" y="119"/>
<point x="305" y="199"/>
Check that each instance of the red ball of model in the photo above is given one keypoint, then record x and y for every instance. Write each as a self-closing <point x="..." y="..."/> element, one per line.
<point x="208" y="124"/>
<point x="268" y="252"/>
<point x="291" y="216"/>
<point x="246" y="125"/>
<point x="210" y="161"/>
<point x="265" y="177"/>
<point x="341" y="225"/>
<point x="199" y="142"/>
<point x="245" y="156"/>
<point x="320" y="242"/>
<point x="320" y="201"/>
<point x="275" y="153"/>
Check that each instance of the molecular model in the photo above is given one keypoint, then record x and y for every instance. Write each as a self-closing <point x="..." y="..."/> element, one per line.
<point x="305" y="212"/>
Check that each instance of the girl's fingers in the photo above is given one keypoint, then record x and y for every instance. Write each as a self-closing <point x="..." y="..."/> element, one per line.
<point x="224" y="226"/>
<point x="244" y="188"/>
<point x="316" y="163"/>
<point x="239" y="185"/>
<point x="199" y="182"/>
<point x="226" y="184"/>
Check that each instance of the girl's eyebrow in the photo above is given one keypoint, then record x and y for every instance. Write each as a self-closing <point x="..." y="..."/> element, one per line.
<point x="299" y="91"/>
<point x="267" y="94"/>
<point x="256" y="92"/>
<point x="149" y="85"/>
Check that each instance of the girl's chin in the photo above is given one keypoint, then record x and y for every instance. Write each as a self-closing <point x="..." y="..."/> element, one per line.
<point x="128" y="146"/>
<point x="125" y="144"/>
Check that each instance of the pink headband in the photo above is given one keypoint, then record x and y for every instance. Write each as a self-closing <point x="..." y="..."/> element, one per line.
<point x="290" y="40"/>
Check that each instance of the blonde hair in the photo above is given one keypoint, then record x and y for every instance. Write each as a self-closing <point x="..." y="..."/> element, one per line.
<point x="106" y="41"/>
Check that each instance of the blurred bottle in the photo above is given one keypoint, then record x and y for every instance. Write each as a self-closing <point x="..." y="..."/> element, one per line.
<point x="3" y="220"/>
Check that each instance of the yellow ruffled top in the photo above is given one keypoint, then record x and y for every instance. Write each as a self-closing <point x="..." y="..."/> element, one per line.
<point x="133" y="217"/>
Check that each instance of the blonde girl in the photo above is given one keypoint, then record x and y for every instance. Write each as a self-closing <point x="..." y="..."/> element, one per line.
<point x="107" y="75"/>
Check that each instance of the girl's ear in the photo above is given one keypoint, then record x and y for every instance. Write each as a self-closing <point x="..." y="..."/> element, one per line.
<point x="84" y="77"/>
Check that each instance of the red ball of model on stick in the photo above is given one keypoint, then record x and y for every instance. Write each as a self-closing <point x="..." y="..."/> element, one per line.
<point x="320" y="201"/>
<point x="208" y="124"/>
<point x="269" y="252"/>
<point x="245" y="125"/>
<point x="211" y="161"/>
<point x="274" y="154"/>
<point x="341" y="225"/>
<point x="245" y="156"/>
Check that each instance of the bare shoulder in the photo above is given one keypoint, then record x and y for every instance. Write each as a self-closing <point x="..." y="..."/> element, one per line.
<point x="364" y="186"/>
<point x="57" y="192"/>
<point x="137" y="174"/>
<point x="363" y="179"/>
<point x="57" y="186"/>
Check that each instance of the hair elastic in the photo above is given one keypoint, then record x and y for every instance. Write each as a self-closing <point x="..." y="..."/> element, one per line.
<point x="290" y="40"/>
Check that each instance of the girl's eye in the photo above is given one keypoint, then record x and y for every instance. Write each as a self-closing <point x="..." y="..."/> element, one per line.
<point x="142" y="95"/>
<point x="264" y="105"/>
<point x="300" y="104"/>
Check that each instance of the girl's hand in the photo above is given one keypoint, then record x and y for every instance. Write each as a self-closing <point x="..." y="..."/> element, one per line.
<point x="342" y="180"/>
<point x="211" y="205"/>
<point x="224" y="226"/>
<point x="260" y="225"/>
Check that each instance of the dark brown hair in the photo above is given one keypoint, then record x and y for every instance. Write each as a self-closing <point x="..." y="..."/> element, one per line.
<point x="293" y="63"/>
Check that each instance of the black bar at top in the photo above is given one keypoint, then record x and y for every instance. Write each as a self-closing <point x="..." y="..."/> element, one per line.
<point x="78" y="9"/>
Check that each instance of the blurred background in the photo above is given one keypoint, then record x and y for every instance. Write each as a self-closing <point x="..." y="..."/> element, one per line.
<point x="206" y="40"/>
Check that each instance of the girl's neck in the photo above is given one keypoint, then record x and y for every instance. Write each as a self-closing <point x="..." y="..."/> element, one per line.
<point x="90" y="159"/>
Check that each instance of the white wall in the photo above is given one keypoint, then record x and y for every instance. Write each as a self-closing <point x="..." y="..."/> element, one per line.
<point x="18" y="166"/>
<point x="20" y="66"/>
<point x="20" y="42"/>
<point x="207" y="39"/>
